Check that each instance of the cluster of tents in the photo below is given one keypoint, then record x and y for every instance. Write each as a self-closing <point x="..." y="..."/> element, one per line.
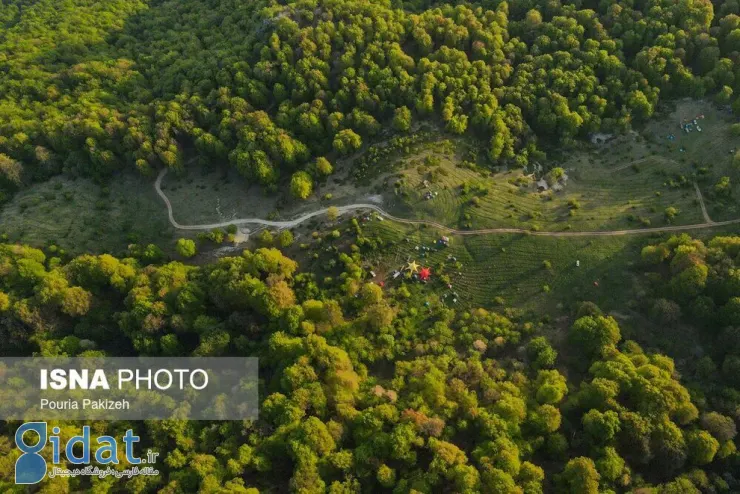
<point x="415" y="271"/>
<point x="689" y="125"/>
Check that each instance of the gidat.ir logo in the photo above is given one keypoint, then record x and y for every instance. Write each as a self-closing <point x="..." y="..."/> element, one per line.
<point x="31" y="467"/>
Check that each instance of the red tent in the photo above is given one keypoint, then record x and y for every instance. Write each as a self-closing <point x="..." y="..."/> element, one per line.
<point x="424" y="274"/>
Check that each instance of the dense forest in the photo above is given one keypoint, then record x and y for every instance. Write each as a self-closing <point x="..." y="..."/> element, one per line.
<point x="691" y="281"/>
<point x="370" y="389"/>
<point x="273" y="87"/>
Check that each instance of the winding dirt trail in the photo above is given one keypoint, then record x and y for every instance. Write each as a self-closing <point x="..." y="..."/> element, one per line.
<point x="486" y="231"/>
<point x="704" y="212"/>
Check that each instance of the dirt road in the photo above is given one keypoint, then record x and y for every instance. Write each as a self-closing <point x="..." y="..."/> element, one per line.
<point x="486" y="231"/>
<point x="704" y="212"/>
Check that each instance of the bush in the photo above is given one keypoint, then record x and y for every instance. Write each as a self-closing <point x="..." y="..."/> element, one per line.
<point x="285" y="239"/>
<point x="301" y="185"/>
<point x="185" y="248"/>
<point x="723" y="186"/>
<point x="323" y="167"/>
<point x="265" y="238"/>
<point x="216" y="236"/>
<point x="670" y="213"/>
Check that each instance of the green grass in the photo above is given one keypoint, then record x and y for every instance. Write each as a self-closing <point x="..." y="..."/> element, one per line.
<point x="709" y="149"/>
<point x="210" y="196"/>
<point x="80" y="216"/>
<point x="604" y="201"/>
<point x="512" y="266"/>
<point x="625" y="184"/>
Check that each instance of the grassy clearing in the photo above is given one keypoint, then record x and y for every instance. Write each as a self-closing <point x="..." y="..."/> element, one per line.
<point x="209" y="196"/>
<point x="593" y="199"/>
<point x="707" y="154"/>
<point x="513" y="267"/>
<point x="201" y="196"/>
<point x="80" y="216"/>
<point x="626" y="183"/>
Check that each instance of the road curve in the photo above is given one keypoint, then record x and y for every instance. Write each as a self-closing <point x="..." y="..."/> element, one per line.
<point x="372" y="207"/>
